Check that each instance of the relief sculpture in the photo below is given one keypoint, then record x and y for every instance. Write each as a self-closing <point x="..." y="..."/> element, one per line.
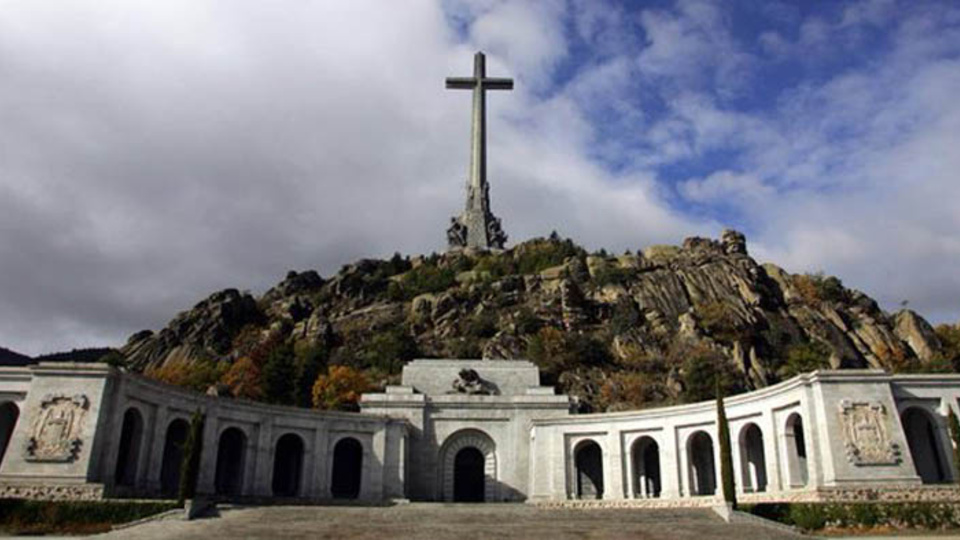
<point x="56" y="432"/>
<point x="865" y="433"/>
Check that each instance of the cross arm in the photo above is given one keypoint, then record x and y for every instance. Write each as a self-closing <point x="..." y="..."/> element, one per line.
<point x="461" y="82"/>
<point x="493" y="83"/>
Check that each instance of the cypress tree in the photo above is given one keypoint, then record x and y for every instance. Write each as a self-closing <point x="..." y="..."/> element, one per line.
<point x="726" y="456"/>
<point x="190" y="466"/>
<point x="954" y="425"/>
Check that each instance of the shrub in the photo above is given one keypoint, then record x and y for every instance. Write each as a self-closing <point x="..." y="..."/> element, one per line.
<point x="702" y="368"/>
<point x="555" y="351"/>
<point x="805" y="357"/>
<point x="309" y="363"/>
<point x="340" y="389"/>
<point x="482" y="325"/>
<point x="537" y="255"/>
<point x="815" y="288"/>
<point x="625" y="316"/>
<point x="719" y="321"/>
<point x="426" y="278"/>
<point x="20" y="516"/>
<point x="387" y="351"/>
<point x="196" y="374"/>
<point x="527" y="322"/>
<point x="612" y="275"/>
<point x="243" y="378"/>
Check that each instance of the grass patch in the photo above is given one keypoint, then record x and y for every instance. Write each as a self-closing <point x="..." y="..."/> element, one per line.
<point x="18" y="516"/>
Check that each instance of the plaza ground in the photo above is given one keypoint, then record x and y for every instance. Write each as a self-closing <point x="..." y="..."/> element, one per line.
<point x="450" y="521"/>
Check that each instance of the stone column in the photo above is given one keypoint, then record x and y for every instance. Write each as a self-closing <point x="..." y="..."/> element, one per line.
<point x="612" y="469"/>
<point x="208" y="459"/>
<point x="321" y="482"/>
<point x="263" y="467"/>
<point x="159" y="441"/>
<point x="672" y="461"/>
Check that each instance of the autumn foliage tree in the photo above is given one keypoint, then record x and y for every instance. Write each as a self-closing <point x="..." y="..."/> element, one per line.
<point x="195" y="374"/>
<point x="243" y="378"/>
<point x="340" y="388"/>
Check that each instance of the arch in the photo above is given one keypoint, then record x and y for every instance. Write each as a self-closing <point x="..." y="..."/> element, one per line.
<point x="796" y="446"/>
<point x="753" y="463"/>
<point x="703" y="474"/>
<point x="588" y="462"/>
<point x="9" y="414"/>
<point x="926" y="446"/>
<point x="231" y="452"/>
<point x="646" y="468"/>
<point x="469" y="475"/>
<point x="347" y="469"/>
<point x="128" y="454"/>
<point x="288" y="465"/>
<point x="173" y="456"/>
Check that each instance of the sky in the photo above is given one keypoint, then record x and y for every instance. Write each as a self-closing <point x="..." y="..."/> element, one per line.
<point x="152" y="153"/>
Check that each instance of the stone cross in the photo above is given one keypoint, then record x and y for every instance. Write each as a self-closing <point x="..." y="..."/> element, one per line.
<point x="477" y="227"/>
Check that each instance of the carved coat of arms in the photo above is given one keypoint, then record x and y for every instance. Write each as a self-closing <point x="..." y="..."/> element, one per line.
<point x="56" y="431"/>
<point x="865" y="433"/>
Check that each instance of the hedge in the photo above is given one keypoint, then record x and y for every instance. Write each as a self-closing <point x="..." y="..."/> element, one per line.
<point x="23" y="516"/>
<point x="815" y="516"/>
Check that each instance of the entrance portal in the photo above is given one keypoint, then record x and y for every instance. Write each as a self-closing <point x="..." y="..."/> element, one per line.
<point x="468" y="477"/>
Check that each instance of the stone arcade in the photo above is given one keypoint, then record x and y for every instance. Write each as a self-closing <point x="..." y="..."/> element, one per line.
<point x="477" y="430"/>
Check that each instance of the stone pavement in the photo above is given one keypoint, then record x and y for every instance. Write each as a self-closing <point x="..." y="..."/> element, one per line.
<point x="450" y="521"/>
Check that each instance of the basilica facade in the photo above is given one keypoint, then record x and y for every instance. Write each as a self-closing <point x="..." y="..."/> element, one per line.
<point x="477" y="431"/>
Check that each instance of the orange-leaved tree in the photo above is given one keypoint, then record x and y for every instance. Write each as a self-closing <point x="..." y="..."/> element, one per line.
<point x="243" y="378"/>
<point x="340" y="388"/>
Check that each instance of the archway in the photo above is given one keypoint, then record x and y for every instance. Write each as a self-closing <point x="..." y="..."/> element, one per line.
<point x="173" y="456"/>
<point x="9" y="414"/>
<point x="703" y="476"/>
<point x="287" y="466"/>
<point x="468" y="476"/>
<point x="796" y="451"/>
<point x="646" y="468"/>
<point x="925" y="445"/>
<point x="347" y="469"/>
<point x="753" y="464"/>
<point x="464" y="475"/>
<point x="128" y="455"/>
<point x="588" y="458"/>
<point x="231" y="451"/>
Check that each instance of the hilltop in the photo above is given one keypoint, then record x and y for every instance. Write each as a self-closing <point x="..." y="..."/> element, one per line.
<point x="615" y="331"/>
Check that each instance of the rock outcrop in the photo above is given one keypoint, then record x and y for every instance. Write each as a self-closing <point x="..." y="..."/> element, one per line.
<point x="706" y="293"/>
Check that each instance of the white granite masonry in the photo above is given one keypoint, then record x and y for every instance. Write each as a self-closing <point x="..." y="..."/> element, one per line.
<point x="478" y="430"/>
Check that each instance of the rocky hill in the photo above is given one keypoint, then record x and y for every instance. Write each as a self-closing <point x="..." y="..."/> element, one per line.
<point x="615" y="331"/>
<point x="11" y="358"/>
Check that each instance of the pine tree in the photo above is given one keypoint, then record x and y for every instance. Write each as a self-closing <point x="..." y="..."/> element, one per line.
<point x="726" y="456"/>
<point x="190" y="466"/>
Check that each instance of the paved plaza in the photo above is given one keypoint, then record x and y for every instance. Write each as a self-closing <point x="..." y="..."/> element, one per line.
<point x="450" y="521"/>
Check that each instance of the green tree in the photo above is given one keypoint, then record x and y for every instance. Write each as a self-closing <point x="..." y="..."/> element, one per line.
<point x="702" y="368"/>
<point x="625" y="316"/>
<point x="190" y="466"/>
<point x="726" y="455"/>
<point x="309" y="364"/>
<point x="805" y="357"/>
<point x="387" y="351"/>
<point x="279" y="375"/>
<point x="954" y="425"/>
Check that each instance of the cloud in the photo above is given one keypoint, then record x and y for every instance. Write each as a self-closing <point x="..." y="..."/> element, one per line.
<point x="152" y="153"/>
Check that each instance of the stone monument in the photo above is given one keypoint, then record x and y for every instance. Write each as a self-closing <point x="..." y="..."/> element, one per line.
<point x="477" y="227"/>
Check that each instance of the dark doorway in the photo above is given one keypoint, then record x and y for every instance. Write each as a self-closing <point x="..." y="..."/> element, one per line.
<point x="589" y="464"/>
<point x="9" y="414"/>
<point x="173" y="456"/>
<point x="230" y="455"/>
<point x="468" y="476"/>
<point x="129" y="453"/>
<point x="287" y="466"/>
<point x="925" y="448"/>
<point x="347" y="469"/>
<point x="703" y="476"/>
<point x="646" y="466"/>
